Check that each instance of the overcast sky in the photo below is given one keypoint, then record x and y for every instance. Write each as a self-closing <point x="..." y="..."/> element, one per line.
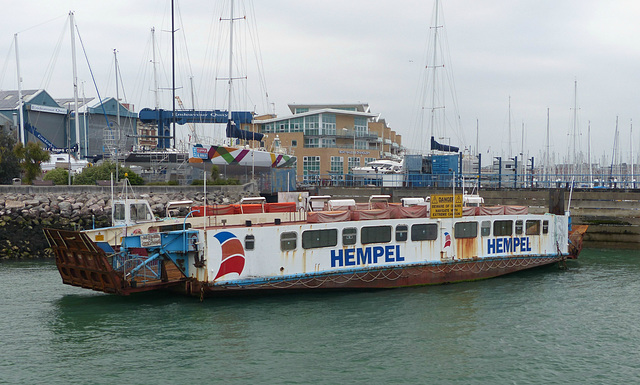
<point x="371" y="51"/>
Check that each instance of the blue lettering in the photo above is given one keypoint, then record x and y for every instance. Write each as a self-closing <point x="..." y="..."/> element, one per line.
<point x="398" y="257"/>
<point x="499" y="246"/>
<point x="378" y="252"/>
<point x="364" y="256"/>
<point x="491" y="246"/>
<point x="516" y="243"/>
<point x="528" y="244"/>
<point x="506" y="245"/>
<point x="336" y="259"/>
<point x="349" y="257"/>
<point x="388" y="253"/>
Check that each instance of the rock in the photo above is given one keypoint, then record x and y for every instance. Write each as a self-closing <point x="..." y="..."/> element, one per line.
<point x="64" y="206"/>
<point x="13" y="204"/>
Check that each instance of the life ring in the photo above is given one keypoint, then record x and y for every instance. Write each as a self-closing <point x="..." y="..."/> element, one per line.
<point x="137" y="232"/>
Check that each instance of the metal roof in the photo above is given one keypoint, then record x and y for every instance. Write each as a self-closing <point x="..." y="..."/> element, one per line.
<point x="9" y="98"/>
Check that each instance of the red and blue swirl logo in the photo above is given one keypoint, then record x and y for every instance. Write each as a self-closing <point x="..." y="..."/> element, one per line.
<point x="447" y="240"/>
<point x="233" y="258"/>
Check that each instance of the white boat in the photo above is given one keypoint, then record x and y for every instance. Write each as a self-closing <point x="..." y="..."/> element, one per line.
<point x="265" y="247"/>
<point x="375" y="169"/>
<point x="64" y="161"/>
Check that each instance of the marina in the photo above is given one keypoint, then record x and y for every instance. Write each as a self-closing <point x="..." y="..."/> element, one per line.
<point x="544" y="325"/>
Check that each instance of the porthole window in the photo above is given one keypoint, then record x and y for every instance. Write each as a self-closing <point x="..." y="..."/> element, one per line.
<point x="349" y="236"/>
<point x="249" y="242"/>
<point x="288" y="241"/>
<point x="401" y="233"/>
<point x="485" y="228"/>
<point x="519" y="227"/>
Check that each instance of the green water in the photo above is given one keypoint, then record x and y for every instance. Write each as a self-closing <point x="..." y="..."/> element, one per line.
<point x="544" y="326"/>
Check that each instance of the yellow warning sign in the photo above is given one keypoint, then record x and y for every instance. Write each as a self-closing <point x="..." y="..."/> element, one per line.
<point x="442" y="206"/>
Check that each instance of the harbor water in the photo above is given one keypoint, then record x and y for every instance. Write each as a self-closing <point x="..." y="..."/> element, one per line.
<point x="544" y="326"/>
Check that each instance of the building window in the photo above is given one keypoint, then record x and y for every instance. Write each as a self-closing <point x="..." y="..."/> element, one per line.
<point x="533" y="228"/>
<point x="295" y="125"/>
<point x="485" y="228"/>
<point x="328" y="124"/>
<point x="502" y="228"/>
<point x="466" y="230"/>
<point x="288" y="241"/>
<point x="313" y="239"/>
<point x="424" y="232"/>
<point x="249" y="242"/>
<point x="361" y="144"/>
<point x="349" y="236"/>
<point x="401" y="233"/>
<point x="310" y="168"/>
<point x="312" y="142"/>
<point x="375" y="234"/>
<point x="294" y="143"/>
<point x="354" y="162"/>
<point x="368" y="160"/>
<point x="360" y="125"/>
<point x="328" y="142"/>
<point x="337" y="164"/>
<point x="301" y="110"/>
<point x="311" y="125"/>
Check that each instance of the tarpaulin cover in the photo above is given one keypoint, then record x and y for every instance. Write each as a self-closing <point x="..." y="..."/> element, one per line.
<point x="363" y="215"/>
<point x="491" y="210"/>
<point x="516" y="210"/>
<point x="379" y="205"/>
<point x="469" y="211"/>
<point x="362" y="206"/>
<point x="409" y="212"/>
<point x="328" y="216"/>
<point x="281" y="207"/>
<point x="213" y="210"/>
<point x="249" y="208"/>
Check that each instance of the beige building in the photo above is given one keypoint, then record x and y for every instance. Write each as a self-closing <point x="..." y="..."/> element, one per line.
<point x="329" y="139"/>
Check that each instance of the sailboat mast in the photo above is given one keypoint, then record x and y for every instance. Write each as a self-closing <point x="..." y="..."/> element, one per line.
<point x="115" y="57"/>
<point x="631" y="144"/>
<point x="547" y="162"/>
<point x="173" y="74"/>
<point x="589" y="154"/>
<point x="230" y="60"/>
<point x="75" y="82"/>
<point x="435" y="56"/>
<point x="155" y="72"/>
<point x="21" y="133"/>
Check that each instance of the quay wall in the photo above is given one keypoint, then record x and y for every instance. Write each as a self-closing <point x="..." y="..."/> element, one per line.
<point x="613" y="216"/>
<point x="26" y="210"/>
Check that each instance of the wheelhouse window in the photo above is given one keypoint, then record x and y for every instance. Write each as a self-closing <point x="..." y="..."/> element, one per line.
<point x="375" y="234"/>
<point x="349" y="236"/>
<point x="485" y="228"/>
<point x="139" y="212"/>
<point x="519" y="227"/>
<point x="118" y="212"/>
<point x="502" y="228"/>
<point x="401" y="233"/>
<point x="545" y="227"/>
<point x="466" y="230"/>
<point x="313" y="239"/>
<point x="533" y="228"/>
<point x="424" y="232"/>
<point x="288" y="241"/>
<point x="249" y="242"/>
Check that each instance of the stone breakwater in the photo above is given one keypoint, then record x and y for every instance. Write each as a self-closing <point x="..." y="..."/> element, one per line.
<point x="23" y="215"/>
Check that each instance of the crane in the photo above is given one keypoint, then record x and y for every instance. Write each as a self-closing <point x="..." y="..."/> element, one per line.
<point x="195" y="138"/>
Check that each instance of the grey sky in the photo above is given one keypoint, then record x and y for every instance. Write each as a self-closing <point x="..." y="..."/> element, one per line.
<point x="368" y="51"/>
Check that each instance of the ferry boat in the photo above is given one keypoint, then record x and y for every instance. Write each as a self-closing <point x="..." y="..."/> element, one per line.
<point x="270" y="247"/>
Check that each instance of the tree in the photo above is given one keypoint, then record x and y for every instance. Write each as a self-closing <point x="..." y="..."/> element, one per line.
<point x="59" y="176"/>
<point x="9" y="162"/>
<point x="31" y="156"/>
<point x="90" y="175"/>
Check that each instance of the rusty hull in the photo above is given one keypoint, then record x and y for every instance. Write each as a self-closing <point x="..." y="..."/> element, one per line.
<point x="82" y="263"/>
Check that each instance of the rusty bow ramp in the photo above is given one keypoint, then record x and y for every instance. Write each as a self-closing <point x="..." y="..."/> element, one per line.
<point x="82" y="263"/>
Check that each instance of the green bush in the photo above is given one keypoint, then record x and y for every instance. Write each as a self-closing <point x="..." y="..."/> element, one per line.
<point x="92" y="174"/>
<point x="59" y="176"/>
